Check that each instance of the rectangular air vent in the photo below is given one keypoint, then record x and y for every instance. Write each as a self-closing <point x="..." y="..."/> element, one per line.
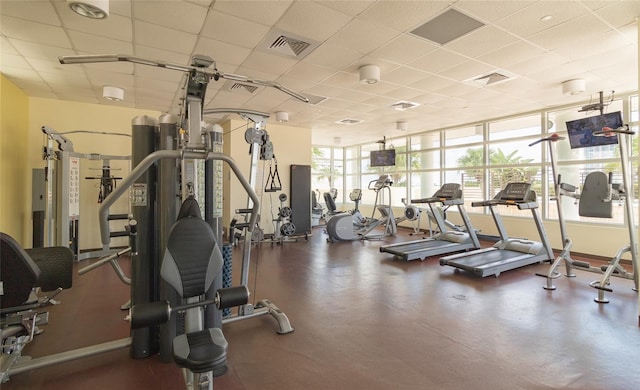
<point x="313" y="99"/>
<point x="349" y="121"/>
<point x="446" y="27"/>
<point x="287" y="44"/>
<point x="242" y="87"/>
<point x="404" y="105"/>
<point x="493" y="78"/>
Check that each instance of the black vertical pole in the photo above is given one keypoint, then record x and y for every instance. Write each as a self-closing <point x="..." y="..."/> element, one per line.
<point x="144" y="271"/>
<point x="168" y="205"/>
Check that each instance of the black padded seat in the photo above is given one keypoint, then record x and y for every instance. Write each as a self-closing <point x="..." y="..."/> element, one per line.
<point x="191" y="262"/>
<point x="18" y="271"/>
<point x="331" y="204"/>
<point x="593" y="199"/>
<point x="201" y="351"/>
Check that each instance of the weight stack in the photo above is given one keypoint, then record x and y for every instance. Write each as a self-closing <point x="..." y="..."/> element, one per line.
<point x="227" y="268"/>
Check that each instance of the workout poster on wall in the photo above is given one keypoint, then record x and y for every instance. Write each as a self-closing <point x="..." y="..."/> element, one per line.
<point x="74" y="186"/>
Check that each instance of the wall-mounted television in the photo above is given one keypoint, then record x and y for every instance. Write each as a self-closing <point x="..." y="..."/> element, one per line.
<point x="382" y="158"/>
<point x="581" y="130"/>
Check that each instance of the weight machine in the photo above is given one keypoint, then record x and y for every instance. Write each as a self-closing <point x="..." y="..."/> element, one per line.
<point x="157" y="183"/>
<point x="598" y="192"/>
<point x="63" y="191"/>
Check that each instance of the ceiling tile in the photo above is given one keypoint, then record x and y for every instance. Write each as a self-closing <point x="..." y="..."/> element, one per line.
<point x="491" y="11"/>
<point x="15" y="61"/>
<point x="308" y="71"/>
<point x="39" y="51"/>
<point x="404" y="15"/>
<point x="222" y="51"/>
<point x="152" y="53"/>
<point x="332" y="56"/>
<point x="263" y="12"/>
<point x="405" y="76"/>
<point x="437" y="61"/>
<point x="480" y="41"/>
<point x="100" y="77"/>
<point x="352" y="8"/>
<point x="233" y="30"/>
<point x="267" y="63"/>
<point x="618" y="14"/>
<point x="160" y="37"/>
<point x="404" y="48"/>
<point x="362" y="36"/>
<point x="25" y="30"/>
<point x="177" y="15"/>
<point x="94" y="44"/>
<point x="114" y="27"/>
<point x="526" y="22"/>
<point x="314" y="20"/>
<point x="37" y="11"/>
<point x="511" y="54"/>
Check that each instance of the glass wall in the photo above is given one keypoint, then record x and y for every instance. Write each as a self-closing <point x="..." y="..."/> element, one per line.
<point x="484" y="157"/>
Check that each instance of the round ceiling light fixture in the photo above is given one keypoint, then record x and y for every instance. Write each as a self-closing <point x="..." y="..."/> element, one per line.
<point x="113" y="93"/>
<point x="369" y="74"/>
<point x="573" y="87"/>
<point x="94" y="9"/>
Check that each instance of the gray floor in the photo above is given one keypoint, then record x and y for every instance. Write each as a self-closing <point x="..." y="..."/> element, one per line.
<point x="366" y="321"/>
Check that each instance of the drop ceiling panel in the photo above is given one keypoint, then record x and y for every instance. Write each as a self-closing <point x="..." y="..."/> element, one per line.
<point x="404" y="48"/>
<point x="512" y="54"/>
<point x="312" y="20"/>
<point x="37" y="11"/>
<point x="181" y="16"/>
<point x="267" y="63"/>
<point x="19" y="76"/>
<point x="26" y="30"/>
<point x="89" y="43"/>
<point x="222" y="51"/>
<point x="527" y="21"/>
<point x="13" y="60"/>
<point x="480" y="41"/>
<point x="309" y="71"/>
<point x="263" y="12"/>
<point x="36" y="50"/>
<point x="100" y="77"/>
<point x="379" y="88"/>
<point x="352" y="8"/>
<point x="160" y="37"/>
<point x="437" y="61"/>
<point x="618" y="14"/>
<point x="234" y="30"/>
<point x="332" y="56"/>
<point x="362" y="36"/>
<point x="158" y="73"/>
<point x="342" y="80"/>
<point x="403" y="15"/>
<point x="467" y="70"/>
<point x="115" y="26"/>
<point x="491" y="10"/>
<point x="405" y="76"/>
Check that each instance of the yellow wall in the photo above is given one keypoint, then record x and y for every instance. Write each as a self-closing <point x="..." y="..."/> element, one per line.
<point x="65" y="116"/>
<point x="15" y="175"/>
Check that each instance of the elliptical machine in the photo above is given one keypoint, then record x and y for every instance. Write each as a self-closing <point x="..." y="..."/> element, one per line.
<point x="341" y="226"/>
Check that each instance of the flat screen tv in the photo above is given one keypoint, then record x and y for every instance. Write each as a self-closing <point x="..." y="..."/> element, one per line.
<point x="581" y="130"/>
<point x="382" y="158"/>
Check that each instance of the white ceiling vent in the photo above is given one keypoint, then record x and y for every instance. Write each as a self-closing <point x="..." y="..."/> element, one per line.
<point x="235" y="86"/>
<point x="349" y="121"/>
<point x="287" y="44"/>
<point x="404" y="105"/>
<point x="313" y="99"/>
<point x="493" y="78"/>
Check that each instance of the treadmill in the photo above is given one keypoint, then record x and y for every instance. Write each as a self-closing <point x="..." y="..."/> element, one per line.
<point x="446" y="240"/>
<point x="508" y="253"/>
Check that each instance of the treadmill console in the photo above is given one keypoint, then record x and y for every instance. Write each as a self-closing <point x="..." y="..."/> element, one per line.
<point x="515" y="192"/>
<point x="449" y="191"/>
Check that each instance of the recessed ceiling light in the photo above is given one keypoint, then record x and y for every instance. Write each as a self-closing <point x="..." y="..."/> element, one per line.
<point x="93" y="9"/>
<point x="546" y="18"/>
